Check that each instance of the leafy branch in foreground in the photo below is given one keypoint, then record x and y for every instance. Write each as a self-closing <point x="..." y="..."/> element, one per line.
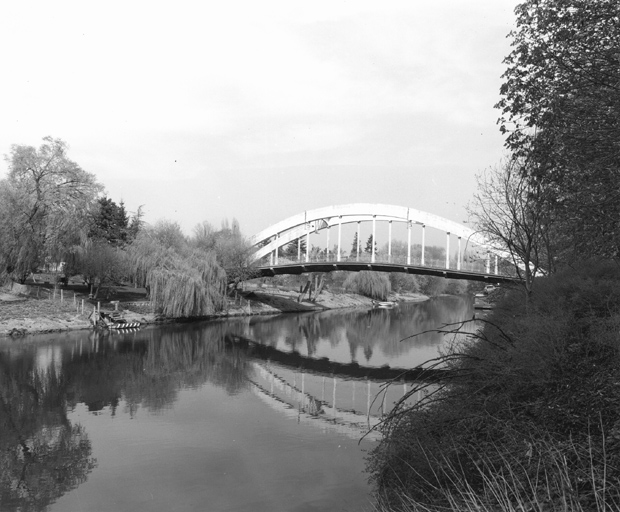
<point x="560" y="107"/>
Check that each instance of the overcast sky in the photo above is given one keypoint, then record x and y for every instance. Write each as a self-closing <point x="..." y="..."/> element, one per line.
<point x="259" y="110"/>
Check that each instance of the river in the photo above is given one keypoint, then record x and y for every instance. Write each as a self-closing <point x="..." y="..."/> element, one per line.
<point x="252" y="414"/>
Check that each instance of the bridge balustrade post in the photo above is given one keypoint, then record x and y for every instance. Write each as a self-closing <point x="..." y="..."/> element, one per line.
<point x="299" y="250"/>
<point x="458" y="258"/>
<point x="359" y="236"/>
<point x="423" y="237"/>
<point x="390" y="242"/>
<point x="409" y="243"/>
<point x="327" y="249"/>
<point x="307" y="242"/>
<point x="447" y="250"/>
<point x="488" y="262"/>
<point x="374" y="239"/>
<point x="339" y="236"/>
<point x="496" y="265"/>
<point x="277" y="251"/>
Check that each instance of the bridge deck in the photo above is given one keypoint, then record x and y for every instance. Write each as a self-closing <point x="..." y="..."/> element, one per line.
<point x="331" y="266"/>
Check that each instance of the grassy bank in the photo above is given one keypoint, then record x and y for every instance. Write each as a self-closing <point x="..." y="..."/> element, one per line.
<point x="39" y="308"/>
<point x="530" y="417"/>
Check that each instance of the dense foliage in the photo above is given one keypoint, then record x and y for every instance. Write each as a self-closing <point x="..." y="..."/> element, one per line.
<point x="45" y="203"/>
<point x="111" y="223"/>
<point x="529" y="416"/>
<point x="181" y="281"/>
<point x="52" y="215"/>
<point x="375" y="285"/>
<point x="560" y="110"/>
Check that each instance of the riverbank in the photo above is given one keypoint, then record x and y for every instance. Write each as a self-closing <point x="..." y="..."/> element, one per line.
<point x="36" y="310"/>
<point x="21" y="315"/>
<point x="281" y="300"/>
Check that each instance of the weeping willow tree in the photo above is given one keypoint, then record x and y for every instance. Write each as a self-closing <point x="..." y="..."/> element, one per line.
<point x="181" y="282"/>
<point x="375" y="285"/>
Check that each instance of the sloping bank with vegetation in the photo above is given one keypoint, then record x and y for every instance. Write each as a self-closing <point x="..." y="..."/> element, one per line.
<point x="529" y="418"/>
<point x="38" y="308"/>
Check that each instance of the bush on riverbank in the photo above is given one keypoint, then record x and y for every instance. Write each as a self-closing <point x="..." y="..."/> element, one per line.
<point x="529" y="419"/>
<point x="375" y="285"/>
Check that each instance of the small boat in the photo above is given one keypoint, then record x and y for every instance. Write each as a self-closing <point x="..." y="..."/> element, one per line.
<point x="383" y="304"/>
<point x="114" y="320"/>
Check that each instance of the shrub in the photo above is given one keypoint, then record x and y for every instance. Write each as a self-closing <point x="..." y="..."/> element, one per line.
<point x="375" y="285"/>
<point x="528" y="415"/>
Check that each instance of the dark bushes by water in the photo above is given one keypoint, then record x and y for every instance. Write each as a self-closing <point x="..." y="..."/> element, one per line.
<point x="530" y="417"/>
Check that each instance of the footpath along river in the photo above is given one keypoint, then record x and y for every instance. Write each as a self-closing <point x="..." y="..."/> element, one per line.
<point x="239" y="415"/>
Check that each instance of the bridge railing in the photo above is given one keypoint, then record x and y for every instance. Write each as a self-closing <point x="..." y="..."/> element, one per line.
<point x="477" y="265"/>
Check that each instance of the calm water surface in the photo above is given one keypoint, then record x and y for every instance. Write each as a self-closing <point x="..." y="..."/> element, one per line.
<point x="232" y="415"/>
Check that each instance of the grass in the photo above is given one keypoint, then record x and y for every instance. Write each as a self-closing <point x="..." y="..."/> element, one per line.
<point x="528" y="419"/>
<point x="32" y="308"/>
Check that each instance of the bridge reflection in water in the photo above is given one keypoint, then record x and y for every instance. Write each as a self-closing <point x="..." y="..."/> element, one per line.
<point x="349" y="406"/>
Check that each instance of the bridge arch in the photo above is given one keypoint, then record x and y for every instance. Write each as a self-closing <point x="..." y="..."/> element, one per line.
<point x="271" y="239"/>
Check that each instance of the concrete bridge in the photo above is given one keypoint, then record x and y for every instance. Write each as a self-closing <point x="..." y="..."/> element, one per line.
<point x="466" y="253"/>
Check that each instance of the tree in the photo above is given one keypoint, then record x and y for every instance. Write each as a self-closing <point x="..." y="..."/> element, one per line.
<point x="20" y="251"/>
<point x="110" y="223"/>
<point x="181" y="281"/>
<point x="370" y="246"/>
<point x="169" y="235"/>
<point x="204" y="236"/>
<point x="560" y="109"/>
<point x="512" y="212"/>
<point x="375" y="285"/>
<point x="232" y="250"/>
<point x="354" y="245"/>
<point x="136" y="223"/>
<point x="294" y="249"/>
<point x="100" y="264"/>
<point x="46" y="203"/>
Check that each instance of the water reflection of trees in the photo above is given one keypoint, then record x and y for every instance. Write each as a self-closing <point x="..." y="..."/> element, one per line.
<point x="384" y="329"/>
<point x="367" y="330"/>
<point x="42" y="455"/>
<point x="422" y="322"/>
<point x="149" y="369"/>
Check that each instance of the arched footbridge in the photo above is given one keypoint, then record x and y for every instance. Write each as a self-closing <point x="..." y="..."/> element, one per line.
<point x="314" y="241"/>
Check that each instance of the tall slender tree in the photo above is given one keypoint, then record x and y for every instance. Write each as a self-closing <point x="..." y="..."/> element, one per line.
<point x="371" y="245"/>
